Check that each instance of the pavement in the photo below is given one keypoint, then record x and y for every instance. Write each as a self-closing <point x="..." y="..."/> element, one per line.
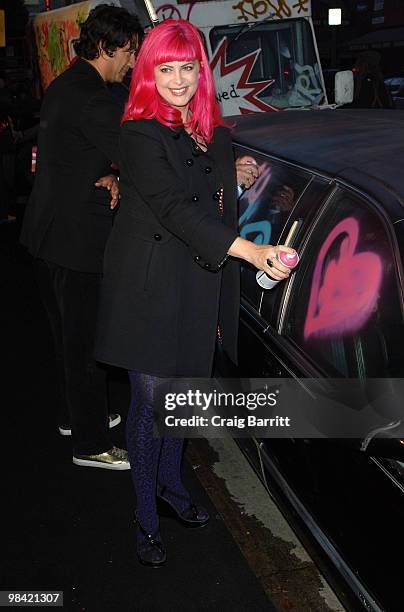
<point x="71" y="529"/>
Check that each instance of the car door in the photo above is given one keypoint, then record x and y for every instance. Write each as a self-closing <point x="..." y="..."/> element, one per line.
<point x="344" y="308"/>
<point x="342" y="314"/>
<point x="329" y="322"/>
<point x="267" y="211"/>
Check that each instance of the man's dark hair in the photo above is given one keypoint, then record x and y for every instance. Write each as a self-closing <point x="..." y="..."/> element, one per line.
<point x="110" y="26"/>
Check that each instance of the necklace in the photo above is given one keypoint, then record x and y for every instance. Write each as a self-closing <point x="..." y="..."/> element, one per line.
<point x="199" y="143"/>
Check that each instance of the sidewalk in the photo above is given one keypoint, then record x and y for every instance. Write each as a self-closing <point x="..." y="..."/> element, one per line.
<point x="71" y="528"/>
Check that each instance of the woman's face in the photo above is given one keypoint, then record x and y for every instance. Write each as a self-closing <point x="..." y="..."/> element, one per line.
<point x="176" y="82"/>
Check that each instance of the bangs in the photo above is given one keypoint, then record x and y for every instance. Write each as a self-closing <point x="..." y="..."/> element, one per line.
<point x="176" y="48"/>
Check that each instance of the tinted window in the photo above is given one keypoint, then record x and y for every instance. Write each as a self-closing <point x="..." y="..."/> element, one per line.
<point x="346" y="311"/>
<point x="265" y="208"/>
<point x="282" y="59"/>
<point x="306" y="210"/>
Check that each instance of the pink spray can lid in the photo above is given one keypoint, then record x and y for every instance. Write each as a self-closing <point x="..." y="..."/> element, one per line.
<point x="290" y="260"/>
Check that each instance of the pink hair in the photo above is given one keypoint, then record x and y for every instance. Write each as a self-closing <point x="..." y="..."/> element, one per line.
<point x="171" y="41"/>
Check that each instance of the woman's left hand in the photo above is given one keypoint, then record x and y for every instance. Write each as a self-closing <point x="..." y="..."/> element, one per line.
<point x="247" y="171"/>
<point x="110" y="182"/>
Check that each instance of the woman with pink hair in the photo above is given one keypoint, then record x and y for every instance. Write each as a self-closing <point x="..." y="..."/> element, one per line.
<point x="171" y="276"/>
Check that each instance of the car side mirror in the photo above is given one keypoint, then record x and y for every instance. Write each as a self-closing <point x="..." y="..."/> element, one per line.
<point x="344" y="87"/>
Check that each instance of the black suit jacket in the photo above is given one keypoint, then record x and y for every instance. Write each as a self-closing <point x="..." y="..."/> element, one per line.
<point x="67" y="220"/>
<point x="167" y="280"/>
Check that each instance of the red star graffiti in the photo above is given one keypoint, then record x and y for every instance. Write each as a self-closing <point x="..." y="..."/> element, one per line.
<point x="247" y="63"/>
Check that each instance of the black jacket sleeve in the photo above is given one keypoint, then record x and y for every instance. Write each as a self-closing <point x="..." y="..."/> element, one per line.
<point x="100" y="123"/>
<point x="144" y="156"/>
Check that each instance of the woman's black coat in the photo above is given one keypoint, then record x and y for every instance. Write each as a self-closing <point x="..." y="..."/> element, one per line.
<point x="168" y="282"/>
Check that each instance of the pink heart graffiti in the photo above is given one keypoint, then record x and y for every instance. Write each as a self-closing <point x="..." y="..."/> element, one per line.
<point x="350" y="286"/>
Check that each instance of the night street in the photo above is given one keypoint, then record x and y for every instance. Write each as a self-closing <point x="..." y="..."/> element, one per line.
<point x="209" y="193"/>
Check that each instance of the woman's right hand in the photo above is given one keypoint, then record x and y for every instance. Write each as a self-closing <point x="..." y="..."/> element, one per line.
<point x="262" y="256"/>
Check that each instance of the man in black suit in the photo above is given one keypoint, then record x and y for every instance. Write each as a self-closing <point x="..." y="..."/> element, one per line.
<point x="68" y="220"/>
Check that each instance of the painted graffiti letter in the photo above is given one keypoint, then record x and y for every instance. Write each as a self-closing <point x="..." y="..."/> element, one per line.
<point x="256" y="8"/>
<point x="306" y="86"/>
<point x="281" y="8"/>
<point x="301" y="6"/>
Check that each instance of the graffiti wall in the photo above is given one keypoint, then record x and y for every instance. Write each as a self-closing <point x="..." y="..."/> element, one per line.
<point x="54" y="35"/>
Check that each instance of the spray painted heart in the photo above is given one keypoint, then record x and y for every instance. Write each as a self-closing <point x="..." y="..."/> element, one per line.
<point x="344" y="300"/>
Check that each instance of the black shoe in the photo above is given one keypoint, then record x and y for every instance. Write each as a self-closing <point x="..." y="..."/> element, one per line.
<point x="192" y="516"/>
<point x="150" y="551"/>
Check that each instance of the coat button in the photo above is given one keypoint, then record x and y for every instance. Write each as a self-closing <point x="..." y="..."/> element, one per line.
<point x="208" y="169"/>
<point x="197" y="258"/>
<point x="195" y="198"/>
<point x="215" y="196"/>
<point x="207" y="266"/>
<point x="189" y="162"/>
<point x="157" y="236"/>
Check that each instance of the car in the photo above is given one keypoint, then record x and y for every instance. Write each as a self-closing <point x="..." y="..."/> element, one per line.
<point x="332" y="182"/>
<point x="393" y="84"/>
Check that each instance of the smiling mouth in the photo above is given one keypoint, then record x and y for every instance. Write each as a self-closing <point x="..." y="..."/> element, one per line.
<point x="178" y="92"/>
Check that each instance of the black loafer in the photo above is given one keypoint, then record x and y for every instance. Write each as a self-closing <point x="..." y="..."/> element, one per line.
<point x="150" y="550"/>
<point x="193" y="516"/>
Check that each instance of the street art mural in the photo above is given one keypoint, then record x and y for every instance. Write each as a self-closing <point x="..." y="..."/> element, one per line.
<point x="233" y="85"/>
<point x="54" y="34"/>
<point x="345" y="287"/>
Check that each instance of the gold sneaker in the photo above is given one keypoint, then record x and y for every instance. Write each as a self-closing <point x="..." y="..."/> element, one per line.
<point x="113" y="459"/>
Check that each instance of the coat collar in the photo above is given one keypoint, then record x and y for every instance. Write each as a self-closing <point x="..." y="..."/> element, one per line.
<point x="81" y="66"/>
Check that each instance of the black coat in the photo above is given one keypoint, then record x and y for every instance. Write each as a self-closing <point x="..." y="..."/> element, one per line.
<point x="68" y="220"/>
<point x="168" y="282"/>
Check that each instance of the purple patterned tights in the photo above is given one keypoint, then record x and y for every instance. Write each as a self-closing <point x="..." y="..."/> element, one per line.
<point x="155" y="462"/>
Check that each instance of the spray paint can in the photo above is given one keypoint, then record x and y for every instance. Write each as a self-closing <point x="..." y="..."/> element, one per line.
<point x="290" y="260"/>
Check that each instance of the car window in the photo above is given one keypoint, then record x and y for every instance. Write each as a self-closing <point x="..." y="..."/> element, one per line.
<point x="304" y="213"/>
<point x="282" y="60"/>
<point x="265" y="208"/>
<point x="345" y="309"/>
